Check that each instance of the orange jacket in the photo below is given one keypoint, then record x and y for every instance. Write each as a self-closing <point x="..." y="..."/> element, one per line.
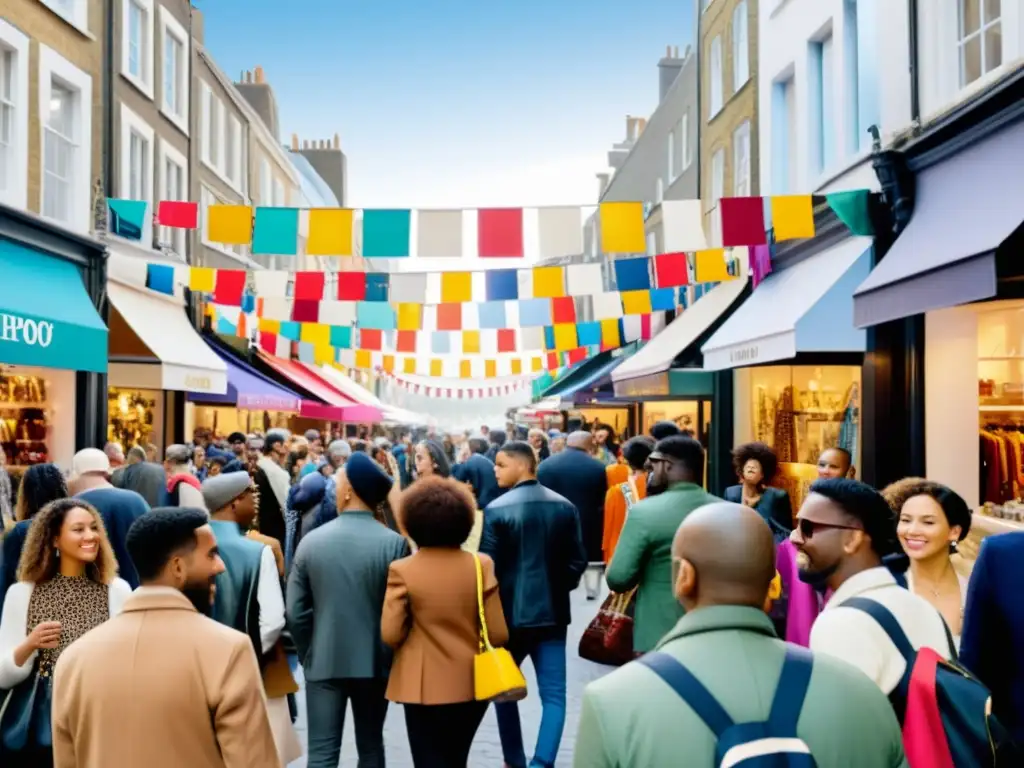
<point x="615" y="506"/>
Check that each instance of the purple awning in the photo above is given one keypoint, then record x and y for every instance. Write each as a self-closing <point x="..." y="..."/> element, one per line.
<point x="250" y="390"/>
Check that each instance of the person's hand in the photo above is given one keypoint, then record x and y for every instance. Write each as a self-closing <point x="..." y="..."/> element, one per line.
<point x="46" y="634"/>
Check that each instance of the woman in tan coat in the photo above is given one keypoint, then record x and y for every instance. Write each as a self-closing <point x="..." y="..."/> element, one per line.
<point x="432" y="621"/>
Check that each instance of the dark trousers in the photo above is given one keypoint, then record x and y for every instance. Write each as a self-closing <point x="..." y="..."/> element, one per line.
<point x="440" y="735"/>
<point x="29" y="758"/>
<point x="326" y="701"/>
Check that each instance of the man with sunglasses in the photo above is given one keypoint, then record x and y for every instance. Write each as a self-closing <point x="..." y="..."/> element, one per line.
<point x="643" y="555"/>
<point x="844" y="529"/>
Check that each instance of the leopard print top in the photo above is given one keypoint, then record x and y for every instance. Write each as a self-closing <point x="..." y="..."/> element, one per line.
<point x="79" y="604"/>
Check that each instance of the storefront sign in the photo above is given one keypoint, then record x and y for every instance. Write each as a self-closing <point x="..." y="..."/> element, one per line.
<point x="23" y="330"/>
<point x="254" y="402"/>
<point x="744" y="355"/>
<point x="198" y="383"/>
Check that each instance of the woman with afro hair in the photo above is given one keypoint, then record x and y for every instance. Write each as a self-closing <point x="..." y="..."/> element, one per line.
<point x="755" y="465"/>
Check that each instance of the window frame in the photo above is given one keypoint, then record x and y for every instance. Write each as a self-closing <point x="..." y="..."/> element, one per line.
<point x="716" y="48"/>
<point x="53" y="66"/>
<point x="171" y="27"/>
<point x="740" y="49"/>
<point x="670" y="174"/>
<point x="143" y="84"/>
<point x="78" y="17"/>
<point x="684" y="122"/>
<point x="15" y="42"/>
<point x="984" y="26"/>
<point x="741" y="137"/>
<point x="715" y="174"/>
<point x="168" y="153"/>
<point x="132" y="123"/>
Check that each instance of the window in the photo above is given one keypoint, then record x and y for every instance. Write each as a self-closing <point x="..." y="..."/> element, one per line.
<point x="174" y="79"/>
<point x="14" y="47"/>
<point x="670" y="171"/>
<point x="684" y="140"/>
<point x="783" y="130"/>
<point x="718" y="176"/>
<point x="173" y="169"/>
<point x="851" y="78"/>
<point x="676" y="147"/>
<point x="136" y="158"/>
<point x="74" y="12"/>
<point x="821" y="109"/>
<point x="66" y="93"/>
<point x="137" y="44"/>
<point x="980" y="38"/>
<point x="266" y="183"/>
<point x="715" y="103"/>
<point x="233" y="150"/>
<point x="741" y="161"/>
<point x="740" y="47"/>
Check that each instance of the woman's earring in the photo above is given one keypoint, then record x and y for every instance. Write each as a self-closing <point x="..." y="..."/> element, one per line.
<point x="56" y="552"/>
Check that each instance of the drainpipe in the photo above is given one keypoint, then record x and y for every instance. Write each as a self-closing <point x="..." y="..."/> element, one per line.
<point x="915" y="90"/>
<point x="108" y="98"/>
<point x="698" y="52"/>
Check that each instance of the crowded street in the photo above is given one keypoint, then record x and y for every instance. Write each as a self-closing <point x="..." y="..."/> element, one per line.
<point x="488" y="385"/>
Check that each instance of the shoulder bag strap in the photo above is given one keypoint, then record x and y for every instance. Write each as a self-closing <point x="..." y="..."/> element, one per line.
<point x="886" y="621"/>
<point x="791" y="690"/>
<point x="629" y="493"/>
<point x="485" y="640"/>
<point x="689" y="689"/>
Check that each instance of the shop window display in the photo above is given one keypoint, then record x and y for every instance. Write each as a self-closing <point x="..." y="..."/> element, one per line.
<point x="132" y="415"/>
<point x="24" y="421"/>
<point x="693" y="417"/>
<point x="1001" y="408"/>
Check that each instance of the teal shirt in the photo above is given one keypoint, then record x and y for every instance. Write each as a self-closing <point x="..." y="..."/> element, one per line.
<point x="643" y="557"/>
<point x="632" y="719"/>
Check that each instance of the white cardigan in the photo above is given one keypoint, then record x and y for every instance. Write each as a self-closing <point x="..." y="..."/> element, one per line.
<point x="14" y="626"/>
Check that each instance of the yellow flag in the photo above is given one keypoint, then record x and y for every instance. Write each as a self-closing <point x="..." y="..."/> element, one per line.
<point x="435" y="367"/>
<point x="517" y="366"/>
<point x="409" y="365"/>
<point x="637" y="302"/>
<point x="323" y="354"/>
<point x="364" y="359"/>
<point x="537" y="364"/>
<point x="565" y="336"/>
<point x="610" y="336"/>
<point x="410" y="317"/>
<point x="315" y="333"/>
<point x="711" y="266"/>
<point x="548" y="282"/>
<point x="471" y="342"/>
<point x="622" y="228"/>
<point x="792" y="217"/>
<point x="229" y="224"/>
<point x="465" y="369"/>
<point x="388" y="363"/>
<point x="456" y="287"/>
<point x="490" y="369"/>
<point x="270" y="326"/>
<point x="330" y="232"/>
<point x="202" y="279"/>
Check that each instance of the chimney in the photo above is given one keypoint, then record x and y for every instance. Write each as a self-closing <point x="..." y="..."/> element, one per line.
<point x="337" y="141"/>
<point x="641" y="123"/>
<point x="330" y="163"/>
<point x="196" y="24"/>
<point x="668" y="68"/>
<point x="630" y="128"/>
<point x="258" y="75"/>
<point x="305" y="143"/>
<point x="295" y="142"/>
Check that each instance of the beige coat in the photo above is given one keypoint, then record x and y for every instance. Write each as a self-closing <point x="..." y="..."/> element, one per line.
<point x="431" y="619"/>
<point x="161" y="686"/>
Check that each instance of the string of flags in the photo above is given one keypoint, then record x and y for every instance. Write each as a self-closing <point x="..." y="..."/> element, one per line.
<point x="501" y="233"/>
<point x="458" y="393"/>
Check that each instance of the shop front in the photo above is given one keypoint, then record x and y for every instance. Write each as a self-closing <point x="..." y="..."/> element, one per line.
<point x="797" y="357"/>
<point x="53" y="342"/>
<point x="954" y="271"/>
<point x="586" y="396"/>
<point x="252" y="402"/>
<point x="156" y="359"/>
<point x="666" y="378"/>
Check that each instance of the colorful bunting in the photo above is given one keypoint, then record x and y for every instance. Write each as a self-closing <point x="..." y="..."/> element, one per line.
<point x="711" y="266"/>
<point x="179" y="214"/>
<point x="449" y="317"/>
<point x="500" y="233"/>
<point x="228" y="287"/>
<point x="439" y="234"/>
<point x="792" y="217"/>
<point x="502" y="284"/>
<point x="410" y="317"/>
<point x="671" y="270"/>
<point x="563" y="310"/>
<point x="742" y="221"/>
<point x="632" y="274"/>
<point x="622" y="228"/>
<point x="471" y="342"/>
<point x="548" y="282"/>
<point x="507" y="340"/>
<point x="160" y="278"/>
<point x="229" y="224"/>
<point x="386" y="233"/>
<point x="682" y="223"/>
<point x="330" y="232"/>
<point x="309" y="285"/>
<point x="202" y="279"/>
<point x="351" y="286"/>
<point x="456" y="287"/>
<point x="560" y="232"/>
<point x="276" y="231"/>
<point x="636" y="302"/>
<point x="127" y="218"/>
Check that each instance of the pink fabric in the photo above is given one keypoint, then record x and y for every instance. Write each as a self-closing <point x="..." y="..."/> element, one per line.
<point x="803" y="606"/>
<point x="759" y="260"/>
<point x="924" y="738"/>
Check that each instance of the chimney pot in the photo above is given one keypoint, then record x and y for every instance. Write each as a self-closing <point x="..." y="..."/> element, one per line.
<point x="337" y="141"/>
<point x="295" y="141"/>
<point x="668" y="51"/>
<point x="305" y="143"/>
<point x="259" y="74"/>
<point x="675" y="52"/>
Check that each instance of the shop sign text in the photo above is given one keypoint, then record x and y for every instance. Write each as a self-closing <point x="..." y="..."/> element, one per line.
<point x="744" y="354"/>
<point x="198" y="383"/>
<point x="21" y="330"/>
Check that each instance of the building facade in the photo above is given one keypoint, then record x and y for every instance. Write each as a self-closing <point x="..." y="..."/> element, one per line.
<point x="729" y="145"/>
<point x="51" y="52"/>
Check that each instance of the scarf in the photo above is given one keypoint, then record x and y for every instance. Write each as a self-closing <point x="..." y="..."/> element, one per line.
<point x="278" y="479"/>
<point x="183" y="477"/>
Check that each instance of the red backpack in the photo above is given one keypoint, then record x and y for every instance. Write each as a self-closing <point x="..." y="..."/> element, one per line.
<point x="945" y="711"/>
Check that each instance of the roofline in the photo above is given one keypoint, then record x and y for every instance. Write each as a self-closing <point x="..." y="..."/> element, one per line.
<point x="256" y="124"/>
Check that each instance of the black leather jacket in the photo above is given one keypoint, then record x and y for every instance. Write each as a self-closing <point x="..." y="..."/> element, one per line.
<point x="533" y="536"/>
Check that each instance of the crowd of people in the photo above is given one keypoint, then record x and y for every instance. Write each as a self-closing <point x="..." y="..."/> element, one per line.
<point x="201" y="585"/>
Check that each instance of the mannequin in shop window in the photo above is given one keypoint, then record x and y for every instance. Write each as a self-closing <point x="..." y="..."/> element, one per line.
<point x="755" y="465"/>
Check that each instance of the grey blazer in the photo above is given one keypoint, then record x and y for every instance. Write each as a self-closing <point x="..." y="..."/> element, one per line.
<point x="335" y="596"/>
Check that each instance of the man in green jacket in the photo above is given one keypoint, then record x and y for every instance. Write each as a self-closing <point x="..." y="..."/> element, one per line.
<point x="632" y="718"/>
<point x="643" y="556"/>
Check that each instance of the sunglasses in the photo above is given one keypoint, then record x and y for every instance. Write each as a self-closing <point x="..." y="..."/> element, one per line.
<point x="808" y="527"/>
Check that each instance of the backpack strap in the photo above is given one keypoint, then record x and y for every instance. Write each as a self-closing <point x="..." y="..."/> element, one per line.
<point x="689" y="689"/>
<point x="889" y="624"/>
<point x="791" y="690"/>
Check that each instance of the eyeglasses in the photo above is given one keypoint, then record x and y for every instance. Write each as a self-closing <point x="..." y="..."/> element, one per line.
<point x="808" y="527"/>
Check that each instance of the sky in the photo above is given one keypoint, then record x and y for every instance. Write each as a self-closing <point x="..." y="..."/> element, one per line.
<point x="451" y="103"/>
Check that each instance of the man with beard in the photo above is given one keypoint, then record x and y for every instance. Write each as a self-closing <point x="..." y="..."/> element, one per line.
<point x="114" y="687"/>
<point x="844" y="529"/>
<point x="643" y="555"/>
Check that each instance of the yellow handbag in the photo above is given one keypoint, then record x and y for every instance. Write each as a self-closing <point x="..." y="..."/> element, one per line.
<point x="775" y="588"/>
<point x="496" y="677"/>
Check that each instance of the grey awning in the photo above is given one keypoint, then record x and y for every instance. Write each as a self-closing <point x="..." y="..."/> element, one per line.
<point x="966" y="207"/>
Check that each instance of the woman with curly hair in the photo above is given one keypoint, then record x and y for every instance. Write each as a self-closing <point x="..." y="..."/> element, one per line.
<point x="67" y="584"/>
<point x="431" y="619"/>
<point x="931" y="520"/>
<point x="755" y="465"/>
<point x="41" y="484"/>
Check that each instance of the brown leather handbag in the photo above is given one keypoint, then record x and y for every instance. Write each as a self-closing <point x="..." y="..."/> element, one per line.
<point x="277" y="674"/>
<point x="608" y="639"/>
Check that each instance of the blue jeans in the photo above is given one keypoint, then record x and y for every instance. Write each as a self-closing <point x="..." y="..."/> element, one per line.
<point x="548" y="657"/>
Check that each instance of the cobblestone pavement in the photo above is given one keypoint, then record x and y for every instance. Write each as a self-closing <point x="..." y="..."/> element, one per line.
<point x="487" y="746"/>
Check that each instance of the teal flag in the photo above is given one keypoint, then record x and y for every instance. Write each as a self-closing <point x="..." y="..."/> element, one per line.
<point x="386" y="233"/>
<point x="853" y="209"/>
<point x="127" y="218"/>
<point x="276" y="231"/>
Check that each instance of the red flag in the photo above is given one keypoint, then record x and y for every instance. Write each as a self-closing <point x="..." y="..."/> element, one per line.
<point x="179" y="214"/>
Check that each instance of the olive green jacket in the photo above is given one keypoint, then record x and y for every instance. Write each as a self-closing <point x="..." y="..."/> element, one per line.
<point x="632" y="719"/>
<point x="644" y="556"/>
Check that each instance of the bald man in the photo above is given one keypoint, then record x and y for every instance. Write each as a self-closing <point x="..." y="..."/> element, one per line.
<point x="575" y="474"/>
<point x="724" y="561"/>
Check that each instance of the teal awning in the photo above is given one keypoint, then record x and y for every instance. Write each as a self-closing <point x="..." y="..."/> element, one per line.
<point x="46" y="316"/>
